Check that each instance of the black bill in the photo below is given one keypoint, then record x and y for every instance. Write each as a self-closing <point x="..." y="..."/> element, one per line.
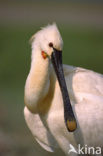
<point x="69" y="117"/>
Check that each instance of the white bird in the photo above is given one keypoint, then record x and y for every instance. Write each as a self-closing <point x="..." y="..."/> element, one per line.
<point x="48" y="112"/>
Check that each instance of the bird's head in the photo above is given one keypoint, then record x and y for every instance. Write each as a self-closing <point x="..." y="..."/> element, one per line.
<point x="47" y="39"/>
<point x="49" y="42"/>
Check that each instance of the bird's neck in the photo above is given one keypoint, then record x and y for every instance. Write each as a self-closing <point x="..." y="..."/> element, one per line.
<point x="38" y="83"/>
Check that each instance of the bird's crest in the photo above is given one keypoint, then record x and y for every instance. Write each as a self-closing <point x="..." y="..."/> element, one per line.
<point x="49" y="28"/>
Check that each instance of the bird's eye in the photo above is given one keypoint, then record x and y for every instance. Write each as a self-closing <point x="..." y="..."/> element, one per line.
<point x="50" y="44"/>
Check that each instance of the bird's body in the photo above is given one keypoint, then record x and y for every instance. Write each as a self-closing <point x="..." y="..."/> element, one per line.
<point x="44" y="110"/>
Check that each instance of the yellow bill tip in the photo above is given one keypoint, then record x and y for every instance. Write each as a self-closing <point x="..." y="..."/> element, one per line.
<point x="71" y="125"/>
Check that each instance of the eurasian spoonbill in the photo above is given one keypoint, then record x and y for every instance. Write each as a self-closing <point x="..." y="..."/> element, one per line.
<point x="52" y="119"/>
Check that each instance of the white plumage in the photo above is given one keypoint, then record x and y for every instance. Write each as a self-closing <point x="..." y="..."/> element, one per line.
<point x="44" y="110"/>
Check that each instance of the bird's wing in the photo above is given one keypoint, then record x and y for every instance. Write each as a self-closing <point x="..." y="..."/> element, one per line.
<point x="39" y="131"/>
<point x="83" y="84"/>
<point x="85" y="89"/>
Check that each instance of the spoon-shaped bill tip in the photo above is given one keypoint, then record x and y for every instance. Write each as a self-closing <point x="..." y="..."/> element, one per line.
<point x="71" y="125"/>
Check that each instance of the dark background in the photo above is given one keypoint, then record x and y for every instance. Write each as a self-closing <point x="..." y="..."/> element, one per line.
<point x="81" y="27"/>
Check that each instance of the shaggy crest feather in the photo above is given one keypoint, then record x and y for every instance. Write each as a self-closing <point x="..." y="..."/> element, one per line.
<point x="50" y="33"/>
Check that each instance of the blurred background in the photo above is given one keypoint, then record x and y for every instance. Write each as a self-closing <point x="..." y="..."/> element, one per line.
<point x="81" y="27"/>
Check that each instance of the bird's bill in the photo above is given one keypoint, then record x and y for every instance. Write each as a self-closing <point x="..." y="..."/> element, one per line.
<point x="69" y="117"/>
